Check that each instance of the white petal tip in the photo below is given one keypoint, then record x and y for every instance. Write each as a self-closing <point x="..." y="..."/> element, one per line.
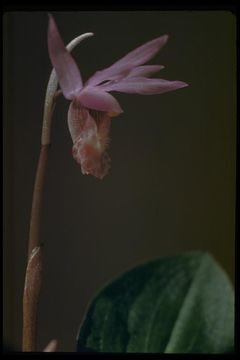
<point x="183" y="84"/>
<point x="165" y="37"/>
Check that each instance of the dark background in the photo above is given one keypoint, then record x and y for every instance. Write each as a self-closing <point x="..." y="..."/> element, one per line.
<point x="171" y="187"/>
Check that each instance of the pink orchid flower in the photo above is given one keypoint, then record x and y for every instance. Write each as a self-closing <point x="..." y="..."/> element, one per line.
<point x="91" y="108"/>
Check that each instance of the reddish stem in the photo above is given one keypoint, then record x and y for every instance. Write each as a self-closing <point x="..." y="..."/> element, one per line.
<point x="33" y="277"/>
<point x="34" y="234"/>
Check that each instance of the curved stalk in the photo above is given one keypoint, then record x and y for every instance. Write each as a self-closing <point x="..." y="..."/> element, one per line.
<point x="33" y="276"/>
<point x="51" y="91"/>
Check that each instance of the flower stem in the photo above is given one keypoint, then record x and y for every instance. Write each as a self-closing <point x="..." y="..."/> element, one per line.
<point x="34" y="235"/>
<point x="33" y="277"/>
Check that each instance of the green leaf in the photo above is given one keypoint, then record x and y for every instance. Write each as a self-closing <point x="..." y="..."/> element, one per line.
<point x="179" y="304"/>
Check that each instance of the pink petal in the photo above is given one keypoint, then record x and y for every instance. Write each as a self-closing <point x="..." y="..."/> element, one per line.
<point x="136" y="57"/>
<point x="139" y="71"/>
<point x="98" y="99"/>
<point x="145" y="70"/>
<point x="144" y="86"/>
<point x="67" y="70"/>
<point x="144" y="52"/>
<point x="77" y="117"/>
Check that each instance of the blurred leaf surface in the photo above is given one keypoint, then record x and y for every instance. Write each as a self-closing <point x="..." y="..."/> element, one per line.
<point x="179" y="304"/>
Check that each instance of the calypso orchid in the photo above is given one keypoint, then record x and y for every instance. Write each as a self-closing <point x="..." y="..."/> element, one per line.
<point x="92" y="107"/>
